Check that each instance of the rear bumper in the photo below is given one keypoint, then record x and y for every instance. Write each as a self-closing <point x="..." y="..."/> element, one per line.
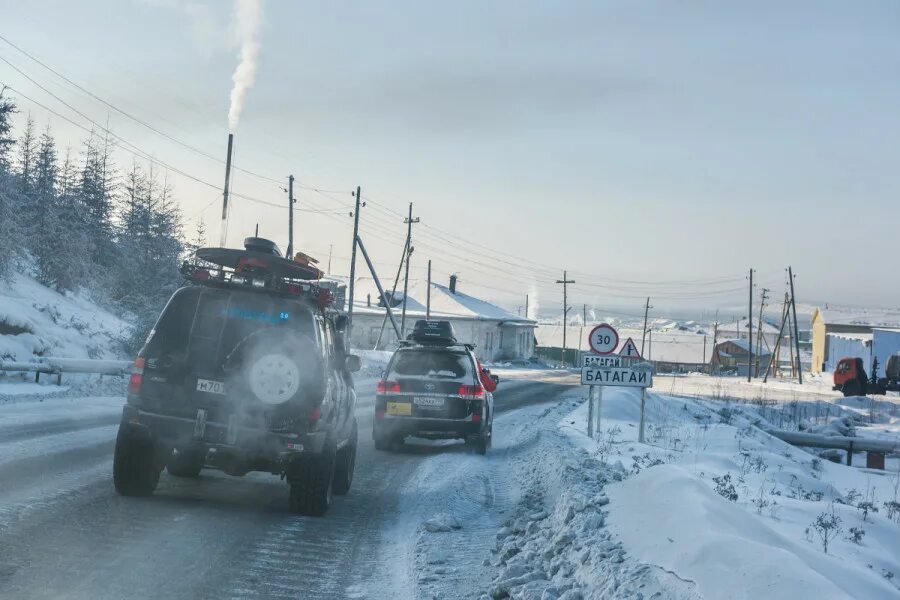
<point x="402" y="426"/>
<point x="250" y="444"/>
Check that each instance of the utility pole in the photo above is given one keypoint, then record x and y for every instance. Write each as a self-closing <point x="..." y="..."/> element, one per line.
<point x="776" y="353"/>
<point x="409" y="250"/>
<point x="290" y="248"/>
<point x="759" y="326"/>
<point x="355" y="216"/>
<point x="704" y="348"/>
<point x="330" y="249"/>
<point x="526" y="306"/>
<point x="583" y="324"/>
<point x="796" y="331"/>
<point x="390" y="300"/>
<point x="428" y="293"/>
<point x="565" y="281"/>
<point x="750" y="331"/>
<point x="647" y="308"/>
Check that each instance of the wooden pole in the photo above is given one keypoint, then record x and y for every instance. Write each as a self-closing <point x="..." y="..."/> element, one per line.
<point x="796" y="331"/>
<point x="353" y="260"/>
<point x="565" y="281"/>
<point x="290" y="248"/>
<point x="393" y="293"/>
<point x="762" y="304"/>
<point x="428" y="293"/>
<point x="773" y="362"/>
<point x="644" y="332"/>
<point x="750" y="331"/>
<point x="409" y="251"/>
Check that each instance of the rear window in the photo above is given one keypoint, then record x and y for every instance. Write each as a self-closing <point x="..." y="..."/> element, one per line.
<point x="246" y="313"/>
<point x="212" y="322"/>
<point x="432" y="364"/>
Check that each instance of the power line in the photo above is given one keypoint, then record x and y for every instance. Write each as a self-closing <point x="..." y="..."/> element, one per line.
<point x="140" y="121"/>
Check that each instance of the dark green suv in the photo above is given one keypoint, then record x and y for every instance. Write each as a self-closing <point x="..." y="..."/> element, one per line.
<point x="245" y="370"/>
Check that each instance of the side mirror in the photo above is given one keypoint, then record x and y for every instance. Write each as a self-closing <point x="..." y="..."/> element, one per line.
<point x="340" y="322"/>
<point x="495" y="378"/>
<point x="353" y="363"/>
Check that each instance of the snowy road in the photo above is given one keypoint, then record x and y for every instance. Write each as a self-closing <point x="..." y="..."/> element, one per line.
<point x="64" y="533"/>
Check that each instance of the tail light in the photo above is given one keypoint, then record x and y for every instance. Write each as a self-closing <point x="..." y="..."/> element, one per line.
<point x="476" y="418"/>
<point x="471" y="392"/>
<point x="200" y="274"/>
<point x="137" y="376"/>
<point x="387" y="387"/>
<point x="293" y="288"/>
<point x="315" y="414"/>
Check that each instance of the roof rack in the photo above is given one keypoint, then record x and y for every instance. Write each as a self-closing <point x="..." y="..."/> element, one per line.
<point x="415" y="343"/>
<point x="252" y="269"/>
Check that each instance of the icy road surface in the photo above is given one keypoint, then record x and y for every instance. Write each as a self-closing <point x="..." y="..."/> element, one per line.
<point x="65" y="533"/>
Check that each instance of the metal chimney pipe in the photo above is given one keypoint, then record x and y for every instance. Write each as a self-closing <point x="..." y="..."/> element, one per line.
<point x="225" y="193"/>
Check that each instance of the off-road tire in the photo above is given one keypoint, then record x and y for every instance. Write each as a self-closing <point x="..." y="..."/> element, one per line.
<point x="311" y="485"/>
<point x="344" y="465"/>
<point x="851" y="388"/>
<point x="185" y="464"/>
<point x="135" y="467"/>
<point x="383" y="441"/>
<point x="482" y="443"/>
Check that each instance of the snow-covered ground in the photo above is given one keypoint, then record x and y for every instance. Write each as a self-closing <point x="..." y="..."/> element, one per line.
<point x="731" y="511"/>
<point x="37" y="321"/>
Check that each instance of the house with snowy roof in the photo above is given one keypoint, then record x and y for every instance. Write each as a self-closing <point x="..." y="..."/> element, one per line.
<point x="497" y="334"/>
<point x="735" y="354"/>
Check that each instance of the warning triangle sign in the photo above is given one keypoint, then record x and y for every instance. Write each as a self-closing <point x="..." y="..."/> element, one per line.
<point x="629" y="349"/>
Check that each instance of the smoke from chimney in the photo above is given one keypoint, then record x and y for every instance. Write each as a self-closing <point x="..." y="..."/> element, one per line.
<point x="247" y="19"/>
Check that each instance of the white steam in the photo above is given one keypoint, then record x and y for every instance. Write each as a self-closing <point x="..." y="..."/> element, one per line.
<point x="247" y="20"/>
<point x="534" y="305"/>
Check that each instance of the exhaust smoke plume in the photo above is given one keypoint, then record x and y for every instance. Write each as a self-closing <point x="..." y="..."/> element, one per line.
<point x="247" y="19"/>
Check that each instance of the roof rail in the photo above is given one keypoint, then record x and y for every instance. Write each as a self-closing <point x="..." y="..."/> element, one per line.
<point x="414" y="343"/>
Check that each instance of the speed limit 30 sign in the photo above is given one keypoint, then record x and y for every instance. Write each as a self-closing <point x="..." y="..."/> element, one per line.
<point x="603" y="339"/>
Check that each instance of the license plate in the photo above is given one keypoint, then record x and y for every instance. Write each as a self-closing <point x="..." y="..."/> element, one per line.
<point x="210" y="387"/>
<point x="403" y="409"/>
<point x="429" y="401"/>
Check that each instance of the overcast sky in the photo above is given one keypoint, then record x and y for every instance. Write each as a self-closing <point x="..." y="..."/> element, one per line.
<point x="677" y="143"/>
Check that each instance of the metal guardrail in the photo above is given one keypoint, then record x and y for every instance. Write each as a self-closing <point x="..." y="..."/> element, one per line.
<point x="58" y="366"/>
<point x="840" y="442"/>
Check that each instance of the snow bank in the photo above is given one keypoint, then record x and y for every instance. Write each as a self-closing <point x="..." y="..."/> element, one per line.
<point x="671" y="518"/>
<point x="716" y="501"/>
<point x="36" y="321"/>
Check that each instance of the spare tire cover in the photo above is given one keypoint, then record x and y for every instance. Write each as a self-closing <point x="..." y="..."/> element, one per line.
<point x="277" y="368"/>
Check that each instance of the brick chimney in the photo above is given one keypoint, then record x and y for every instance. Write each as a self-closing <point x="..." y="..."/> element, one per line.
<point x="453" y="284"/>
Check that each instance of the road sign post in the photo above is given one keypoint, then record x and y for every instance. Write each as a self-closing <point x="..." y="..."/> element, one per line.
<point x="602" y="368"/>
<point x="590" y="419"/>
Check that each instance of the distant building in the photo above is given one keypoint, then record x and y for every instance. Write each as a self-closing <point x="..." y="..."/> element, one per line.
<point x="498" y="335"/>
<point x="836" y="335"/>
<point x="735" y="355"/>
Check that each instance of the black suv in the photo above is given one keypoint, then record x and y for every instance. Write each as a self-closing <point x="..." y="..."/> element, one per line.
<point x="431" y="388"/>
<point x="245" y="370"/>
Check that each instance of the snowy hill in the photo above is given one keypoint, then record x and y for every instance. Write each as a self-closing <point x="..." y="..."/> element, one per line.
<point x="36" y="321"/>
